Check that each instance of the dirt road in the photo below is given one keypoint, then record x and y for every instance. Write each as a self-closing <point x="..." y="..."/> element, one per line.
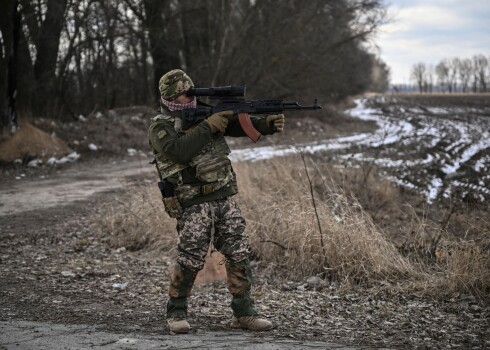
<point x="78" y="182"/>
<point x="36" y="336"/>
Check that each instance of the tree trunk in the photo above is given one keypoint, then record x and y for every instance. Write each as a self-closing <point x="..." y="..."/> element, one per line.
<point x="10" y="27"/>
<point x="159" y="23"/>
<point x="47" y="54"/>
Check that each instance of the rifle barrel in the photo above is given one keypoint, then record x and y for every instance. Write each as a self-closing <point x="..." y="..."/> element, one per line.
<point x="290" y="105"/>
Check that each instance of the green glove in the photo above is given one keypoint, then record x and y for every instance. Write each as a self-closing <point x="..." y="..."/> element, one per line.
<point x="276" y="121"/>
<point x="219" y="121"/>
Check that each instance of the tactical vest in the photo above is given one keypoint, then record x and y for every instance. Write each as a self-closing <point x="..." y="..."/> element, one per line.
<point x="212" y="165"/>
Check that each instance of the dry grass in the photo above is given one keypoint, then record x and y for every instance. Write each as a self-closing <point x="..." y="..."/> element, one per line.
<point x="138" y="221"/>
<point x="334" y="238"/>
<point x="284" y="226"/>
<point x="464" y="267"/>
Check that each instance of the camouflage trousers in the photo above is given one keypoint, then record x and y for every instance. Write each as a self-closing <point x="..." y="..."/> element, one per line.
<point x="221" y="223"/>
<point x="218" y="222"/>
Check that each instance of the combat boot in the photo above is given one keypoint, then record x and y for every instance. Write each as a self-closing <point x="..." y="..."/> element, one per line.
<point x="239" y="281"/>
<point x="182" y="280"/>
<point x="178" y="325"/>
<point x="252" y="323"/>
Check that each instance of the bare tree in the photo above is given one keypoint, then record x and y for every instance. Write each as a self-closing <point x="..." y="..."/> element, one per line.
<point x="442" y="72"/>
<point x="464" y="70"/>
<point x="78" y="55"/>
<point x="429" y="78"/>
<point x="480" y="66"/>
<point x="161" y="24"/>
<point x="103" y="56"/>
<point x="418" y="74"/>
<point x="452" y="76"/>
<point x="455" y="74"/>
<point x="245" y="42"/>
<point x="46" y="39"/>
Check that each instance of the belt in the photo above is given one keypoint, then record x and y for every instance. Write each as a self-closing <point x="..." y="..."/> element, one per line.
<point x="209" y="188"/>
<point x="188" y="191"/>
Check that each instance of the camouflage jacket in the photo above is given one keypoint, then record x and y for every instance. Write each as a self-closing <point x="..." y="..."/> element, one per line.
<point x="180" y="148"/>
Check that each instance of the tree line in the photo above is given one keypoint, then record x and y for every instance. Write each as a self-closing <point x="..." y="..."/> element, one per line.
<point x="60" y="58"/>
<point x="453" y="75"/>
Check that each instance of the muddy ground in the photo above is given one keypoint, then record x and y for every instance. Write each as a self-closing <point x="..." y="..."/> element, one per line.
<point x="56" y="266"/>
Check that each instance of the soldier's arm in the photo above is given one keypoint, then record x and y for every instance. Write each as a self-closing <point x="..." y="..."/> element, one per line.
<point x="235" y="130"/>
<point x="179" y="148"/>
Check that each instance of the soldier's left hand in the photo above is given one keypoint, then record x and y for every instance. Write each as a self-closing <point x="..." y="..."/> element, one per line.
<point x="276" y="121"/>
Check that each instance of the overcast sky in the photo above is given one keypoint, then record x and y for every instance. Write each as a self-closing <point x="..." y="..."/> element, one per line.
<point x="428" y="31"/>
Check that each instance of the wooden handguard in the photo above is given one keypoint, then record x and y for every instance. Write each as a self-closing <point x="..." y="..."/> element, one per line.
<point x="247" y="127"/>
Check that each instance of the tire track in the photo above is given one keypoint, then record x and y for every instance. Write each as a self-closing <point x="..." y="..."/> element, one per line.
<point x="439" y="152"/>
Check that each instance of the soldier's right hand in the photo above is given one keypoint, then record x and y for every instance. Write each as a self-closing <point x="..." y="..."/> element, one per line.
<point x="219" y="121"/>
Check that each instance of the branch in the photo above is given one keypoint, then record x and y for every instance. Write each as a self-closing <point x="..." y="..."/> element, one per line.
<point x="314" y="204"/>
<point x="278" y="244"/>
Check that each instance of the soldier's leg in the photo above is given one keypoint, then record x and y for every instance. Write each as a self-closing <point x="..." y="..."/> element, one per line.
<point x="181" y="282"/>
<point x="194" y="234"/>
<point x="232" y="242"/>
<point x="239" y="281"/>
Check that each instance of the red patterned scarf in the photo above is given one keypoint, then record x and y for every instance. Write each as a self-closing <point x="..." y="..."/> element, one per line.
<point x="172" y="106"/>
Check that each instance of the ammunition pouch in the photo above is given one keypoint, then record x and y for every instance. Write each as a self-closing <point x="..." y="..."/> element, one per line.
<point x="173" y="207"/>
<point x="215" y="170"/>
<point x="170" y="201"/>
<point x="214" y="174"/>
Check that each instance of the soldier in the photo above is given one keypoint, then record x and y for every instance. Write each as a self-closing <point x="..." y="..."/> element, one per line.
<point x="197" y="183"/>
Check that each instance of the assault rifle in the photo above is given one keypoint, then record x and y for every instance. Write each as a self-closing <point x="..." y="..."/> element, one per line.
<point x="232" y="98"/>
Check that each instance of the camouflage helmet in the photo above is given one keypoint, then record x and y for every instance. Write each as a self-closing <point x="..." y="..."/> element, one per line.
<point x="174" y="83"/>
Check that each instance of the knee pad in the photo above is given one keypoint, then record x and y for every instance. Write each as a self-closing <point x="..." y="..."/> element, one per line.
<point x="181" y="281"/>
<point x="239" y="277"/>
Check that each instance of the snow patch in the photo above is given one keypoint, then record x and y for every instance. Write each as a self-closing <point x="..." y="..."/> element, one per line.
<point x="71" y="158"/>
